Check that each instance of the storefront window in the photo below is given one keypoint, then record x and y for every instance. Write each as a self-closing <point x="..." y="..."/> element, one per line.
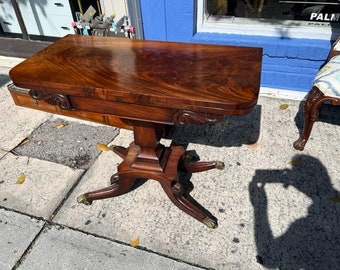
<point x="290" y="18"/>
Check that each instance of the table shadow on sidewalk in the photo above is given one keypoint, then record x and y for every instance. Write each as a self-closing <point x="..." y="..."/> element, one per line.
<point x="310" y="242"/>
<point x="233" y="131"/>
<point x="66" y="142"/>
<point x="4" y="80"/>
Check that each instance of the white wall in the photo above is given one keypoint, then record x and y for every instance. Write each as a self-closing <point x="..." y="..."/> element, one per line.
<point x="117" y="7"/>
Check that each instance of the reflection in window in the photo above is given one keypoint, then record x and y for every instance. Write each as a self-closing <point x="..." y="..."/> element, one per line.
<point x="306" y="10"/>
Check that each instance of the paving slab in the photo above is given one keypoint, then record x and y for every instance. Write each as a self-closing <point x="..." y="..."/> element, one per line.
<point x="6" y="61"/>
<point x="147" y="213"/>
<point x="58" y="248"/>
<point x="2" y="153"/>
<point x="4" y="77"/>
<point x="268" y="195"/>
<point x="275" y="205"/>
<point x="70" y="143"/>
<point x="16" y="123"/>
<point x="17" y="232"/>
<point x="45" y="184"/>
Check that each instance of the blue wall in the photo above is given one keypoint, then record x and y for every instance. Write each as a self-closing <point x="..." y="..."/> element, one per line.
<point x="287" y="63"/>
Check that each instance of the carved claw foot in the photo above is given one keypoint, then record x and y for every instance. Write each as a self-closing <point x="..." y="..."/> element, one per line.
<point x="82" y="199"/>
<point x="299" y="144"/>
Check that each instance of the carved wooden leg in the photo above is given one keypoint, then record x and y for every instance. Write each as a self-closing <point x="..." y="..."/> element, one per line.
<point x="119" y="150"/>
<point x="190" y="163"/>
<point x="177" y="190"/>
<point x="200" y="166"/>
<point x="311" y="112"/>
<point x="120" y="184"/>
<point x="180" y="196"/>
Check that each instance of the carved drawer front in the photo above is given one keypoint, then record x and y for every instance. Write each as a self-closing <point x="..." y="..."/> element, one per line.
<point x="22" y="98"/>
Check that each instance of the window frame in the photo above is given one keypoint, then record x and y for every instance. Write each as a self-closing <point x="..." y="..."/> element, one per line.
<point x="255" y="27"/>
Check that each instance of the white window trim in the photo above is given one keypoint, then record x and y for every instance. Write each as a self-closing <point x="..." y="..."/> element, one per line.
<point x="261" y="27"/>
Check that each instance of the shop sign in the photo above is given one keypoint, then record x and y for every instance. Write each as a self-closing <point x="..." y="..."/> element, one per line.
<point x="320" y="12"/>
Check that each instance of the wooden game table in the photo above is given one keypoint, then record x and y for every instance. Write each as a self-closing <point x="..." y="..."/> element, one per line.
<point x="147" y="87"/>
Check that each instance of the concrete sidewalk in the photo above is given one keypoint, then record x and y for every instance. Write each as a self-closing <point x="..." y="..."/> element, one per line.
<point x="276" y="207"/>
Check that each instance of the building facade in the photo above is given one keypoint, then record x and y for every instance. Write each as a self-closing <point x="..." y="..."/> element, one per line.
<point x="295" y="35"/>
<point x="294" y="48"/>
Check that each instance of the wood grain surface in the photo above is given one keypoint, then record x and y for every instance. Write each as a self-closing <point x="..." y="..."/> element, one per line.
<point x="186" y="76"/>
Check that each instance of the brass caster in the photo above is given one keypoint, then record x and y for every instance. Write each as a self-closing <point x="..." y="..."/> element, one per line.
<point x="82" y="199"/>
<point x="210" y="223"/>
<point x="219" y="165"/>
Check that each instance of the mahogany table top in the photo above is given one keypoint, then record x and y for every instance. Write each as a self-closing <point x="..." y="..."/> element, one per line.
<point x="197" y="77"/>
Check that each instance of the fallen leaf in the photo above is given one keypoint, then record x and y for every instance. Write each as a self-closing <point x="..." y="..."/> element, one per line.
<point x="295" y="162"/>
<point x="103" y="147"/>
<point x="134" y="242"/>
<point x="283" y="106"/>
<point x="61" y="125"/>
<point x="21" y="179"/>
<point x="335" y="199"/>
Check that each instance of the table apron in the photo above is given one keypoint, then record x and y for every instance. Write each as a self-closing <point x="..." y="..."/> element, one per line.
<point x="145" y="113"/>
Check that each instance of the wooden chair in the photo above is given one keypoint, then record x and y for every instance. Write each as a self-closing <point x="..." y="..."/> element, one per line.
<point x="326" y="88"/>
